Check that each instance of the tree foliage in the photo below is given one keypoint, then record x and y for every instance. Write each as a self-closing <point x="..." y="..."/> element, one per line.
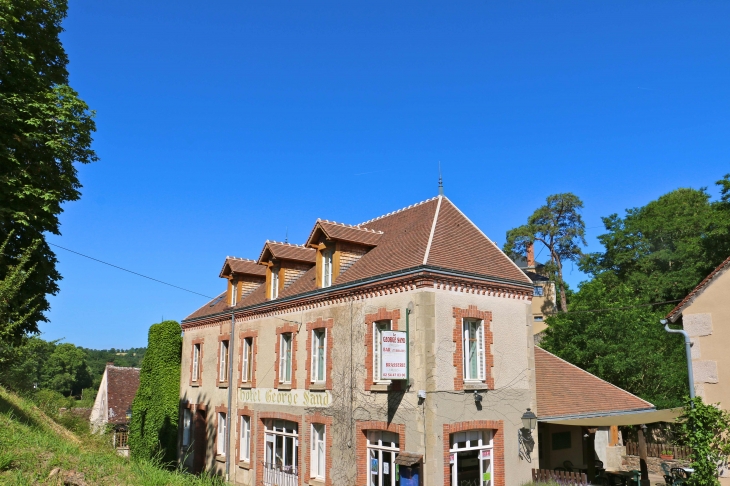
<point x="706" y="429"/>
<point x="153" y="428"/>
<point x="559" y="226"/>
<point x="45" y="129"/>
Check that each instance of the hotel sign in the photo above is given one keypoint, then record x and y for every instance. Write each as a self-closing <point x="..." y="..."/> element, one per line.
<point x="393" y="355"/>
<point x="292" y="398"/>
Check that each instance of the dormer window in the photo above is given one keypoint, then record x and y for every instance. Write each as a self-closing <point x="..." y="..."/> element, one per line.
<point x="326" y="268"/>
<point x="274" y="283"/>
<point x="234" y="292"/>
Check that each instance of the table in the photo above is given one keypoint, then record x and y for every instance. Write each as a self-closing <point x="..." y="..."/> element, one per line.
<point x="623" y="477"/>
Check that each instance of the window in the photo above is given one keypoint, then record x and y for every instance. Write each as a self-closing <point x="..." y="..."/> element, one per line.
<point x="473" y="350"/>
<point x="274" y="283"/>
<point x="196" y="361"/>
<point x="221" y="441"/>
<point x="317" y="461"/>
<point x="319" y="355"/>
<point x="538" y="291"/>
<point x="326" y="268"/>
<point x="245" y="452"/>
<point x="223" y="364"/>
<point x="234" y="292"/>
<point x="285" y="358"/>
<point x="121" y="439"/>
<point x="561" y="440"/>
<point x="187" y="426"/>
<point x="247" y="360"/>
<point x="282" y="447"/>
<point x="538" y="318"/>
<point x="382" y="449"/>
<point x="378" y="328"/>
<point x="470" y="457"/>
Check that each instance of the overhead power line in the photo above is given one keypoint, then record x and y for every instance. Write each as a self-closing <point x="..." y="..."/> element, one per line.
<point x="130" y="271"/>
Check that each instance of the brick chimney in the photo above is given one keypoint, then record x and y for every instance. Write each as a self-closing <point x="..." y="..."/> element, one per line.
<point x="531" y="256"/>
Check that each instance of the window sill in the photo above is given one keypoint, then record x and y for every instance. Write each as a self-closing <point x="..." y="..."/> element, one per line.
<point x="244" y="464"/>
<point x="220" y="458"/>
<point x="246" y="384"/>
<point x="222" y="384"/>
<point x="284" y="386"/>
<point x="381" y="387"/>
<point x="475" y="385"/>
<point x="318" y="386"/>
<point x="316" y="482"/>
<point x="195" y="383"/>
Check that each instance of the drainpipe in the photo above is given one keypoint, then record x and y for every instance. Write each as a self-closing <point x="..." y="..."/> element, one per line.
<point x="688" y="348"/>
<point x="231" y="341"/>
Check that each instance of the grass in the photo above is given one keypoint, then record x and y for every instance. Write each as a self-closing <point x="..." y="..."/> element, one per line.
<point x="32" y="444"/>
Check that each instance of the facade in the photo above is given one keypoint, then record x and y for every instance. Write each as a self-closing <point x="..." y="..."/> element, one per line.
<point x="705" y="316"/>
<point x="543" y="300"/>
<point x="113" y="403"/>
<point x="294" y="375"/>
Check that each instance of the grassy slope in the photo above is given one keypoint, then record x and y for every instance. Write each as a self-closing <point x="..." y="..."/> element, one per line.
<point x="32" y="445"/>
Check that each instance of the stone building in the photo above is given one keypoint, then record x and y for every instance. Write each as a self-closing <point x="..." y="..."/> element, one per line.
<point x="293" y="375"/>
<point x="113" y="404"/>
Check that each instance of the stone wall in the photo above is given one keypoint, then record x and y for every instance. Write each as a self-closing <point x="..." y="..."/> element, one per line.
<point x="654" y="464"/>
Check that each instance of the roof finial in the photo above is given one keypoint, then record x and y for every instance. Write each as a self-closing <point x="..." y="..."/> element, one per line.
<point x="286" y="238"/>
<point x="441" y="183"/>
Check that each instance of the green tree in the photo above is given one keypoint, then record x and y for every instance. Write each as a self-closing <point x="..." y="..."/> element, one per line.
<point x="45" y="129"/>
<point x="66" y="370"/>
<point x="706" y="429"/>
<point x="24" y="368"/>
<point x="557" y="225"/>
<point x="153" y="428"/>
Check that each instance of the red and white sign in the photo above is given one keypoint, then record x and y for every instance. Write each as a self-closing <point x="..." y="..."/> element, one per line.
<point x="393" y="355"/>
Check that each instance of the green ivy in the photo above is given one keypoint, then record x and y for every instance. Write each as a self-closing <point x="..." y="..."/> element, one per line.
<point x="153" y="428"/>
<point x="706" y="429"/>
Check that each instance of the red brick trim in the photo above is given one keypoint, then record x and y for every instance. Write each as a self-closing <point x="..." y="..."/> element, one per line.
<point x="218" y="409"/>
<point x="251" y="415"/>
<point x="498" y="446"/>
<point x="261" y="453"/>
<point x="317" y="418"/>
<point x="361" y="428"/>
<point x="288" y="328"/>
<point x="199" y="381"/>
<point x="381" y="315"/>
<point x="472" y="313"/>
<point x="254" y="337"/>
<point x="218" y="381"/>
<point x="311" y="326"/>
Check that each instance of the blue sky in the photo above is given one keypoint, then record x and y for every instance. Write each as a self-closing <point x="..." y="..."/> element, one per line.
<point x="221" y="125"/>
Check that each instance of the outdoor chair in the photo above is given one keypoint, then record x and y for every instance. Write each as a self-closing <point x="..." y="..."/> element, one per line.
<point x="568" y="466"/>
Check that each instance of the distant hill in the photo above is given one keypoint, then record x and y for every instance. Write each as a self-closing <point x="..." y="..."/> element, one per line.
<point x="98" y="358"/>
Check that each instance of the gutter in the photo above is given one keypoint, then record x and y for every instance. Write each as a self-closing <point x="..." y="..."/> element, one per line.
<point x="597" y="414"/>
<point x="230" y="395"/>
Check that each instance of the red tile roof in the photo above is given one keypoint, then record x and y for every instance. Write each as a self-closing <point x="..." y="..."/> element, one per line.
<point x="565" y="390"/>
<point x="242" y="266"/>
<point x="287" y="251"/>
<point x="121" y="386"/>
<point x="344" y="232"/>
<point x="677" y="311"/>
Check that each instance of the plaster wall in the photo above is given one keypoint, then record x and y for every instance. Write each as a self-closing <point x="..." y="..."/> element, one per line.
<point x="98" y="417"/>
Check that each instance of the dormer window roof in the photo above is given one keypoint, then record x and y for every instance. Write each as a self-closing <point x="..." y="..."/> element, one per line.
<point x="342" y="232"/>
<point x="286" y="251"/>
<point x="241" y="266"/>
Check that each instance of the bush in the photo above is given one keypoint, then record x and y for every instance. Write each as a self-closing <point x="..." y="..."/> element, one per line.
<point x="51" y="401"/>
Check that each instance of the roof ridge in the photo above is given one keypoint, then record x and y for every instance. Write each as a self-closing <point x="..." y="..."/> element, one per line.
<point x="349" y="225"/>
<point x="240" y="259"/>
<point x="286" y="244"/>
<point x="398" y="211"/>
<point x="674" y="313"/>
<point x="594" y="376"/>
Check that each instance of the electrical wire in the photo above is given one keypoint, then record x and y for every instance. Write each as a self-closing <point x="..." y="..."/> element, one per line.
<point x="130" y="271"/>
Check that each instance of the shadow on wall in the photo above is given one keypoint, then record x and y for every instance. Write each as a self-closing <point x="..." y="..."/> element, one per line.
<point x="189" y="457"/>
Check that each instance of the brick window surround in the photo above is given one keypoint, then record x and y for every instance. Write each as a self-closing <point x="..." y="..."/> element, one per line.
<point x="306" y="434"/>
<point x="311" y="326"/>
<point x="381" y="315"/>
<point x="254" y="337"/>
<point x="218" y="381"/>
<point x="252" y="421"/>
<point x="486" y="317"/>
<point x="218" y="410"/>
<point x="361" y="438"/>
<point x="497" y="427"/>
<point x="199" y="381"/>
<point x="260" y="452"/>
<point x="288" y="328"/>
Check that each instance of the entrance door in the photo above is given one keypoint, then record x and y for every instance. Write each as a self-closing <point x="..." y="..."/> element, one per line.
<point x="471" y="458"/>
<point x="382" y="449"/>
<point x="200" y="440"/>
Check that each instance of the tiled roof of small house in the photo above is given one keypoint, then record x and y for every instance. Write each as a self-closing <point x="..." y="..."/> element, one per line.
<point x="564" y="390"/>
<point x="242" y="266"/>
<point x="677" y="311"/>
<point x="287" y="251"/>
<point x="122" y="384"/>
<point x="343" y="232"/>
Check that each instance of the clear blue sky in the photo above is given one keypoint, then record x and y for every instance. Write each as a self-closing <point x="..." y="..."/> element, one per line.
<point x="223" y="124"/>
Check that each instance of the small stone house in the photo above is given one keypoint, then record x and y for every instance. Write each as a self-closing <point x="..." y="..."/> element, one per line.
<point x="113" y="404"/>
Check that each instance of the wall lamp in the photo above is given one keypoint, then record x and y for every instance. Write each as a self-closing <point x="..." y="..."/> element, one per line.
<point x="526" y="442"/>
<point x="477" y="397"/>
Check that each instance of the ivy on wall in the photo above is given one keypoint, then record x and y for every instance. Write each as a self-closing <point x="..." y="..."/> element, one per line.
<point x="153" y="428"/>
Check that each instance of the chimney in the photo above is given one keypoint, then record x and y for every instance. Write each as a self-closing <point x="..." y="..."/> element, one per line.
<point x="531" y="256"/>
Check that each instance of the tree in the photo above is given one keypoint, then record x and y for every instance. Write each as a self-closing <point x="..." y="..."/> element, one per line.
<point x="45" y="129"/>
<point x="153" y="428"/>
<point x="66" y="370"/>
<point x="25" y="362"/>
<point x="706" y="429"/>
<point x="557" y="225"/>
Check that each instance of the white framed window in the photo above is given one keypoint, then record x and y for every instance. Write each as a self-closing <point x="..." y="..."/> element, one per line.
<point x="187" y="426"/>
<point x="538" y="291"/>
<point x="247" y="360"/>
<point x="470" y="458"/>
<point x="319" y="355"/>
<point x="473" y="350"/>
<point x="274" y="283"/>
<point x="245" y="426"/>
<point x="223" y="363"/>
<point x="196" y="361"/>
<point x="234" y="292"/>
<point x="282" y="446"/>
<point x="317" y="459"/>
<point x="326" y="268"/>
<point x="221" y="442"/>
<point x="285" y="357"/>
<point x="378" y="328"/>
<point x="382" y="449"/>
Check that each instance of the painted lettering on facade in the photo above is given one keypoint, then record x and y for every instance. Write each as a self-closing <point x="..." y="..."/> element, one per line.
<point x="293" y="398"/>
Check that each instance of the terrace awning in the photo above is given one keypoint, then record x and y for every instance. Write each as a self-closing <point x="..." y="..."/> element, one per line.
<point x="606" y="419"/>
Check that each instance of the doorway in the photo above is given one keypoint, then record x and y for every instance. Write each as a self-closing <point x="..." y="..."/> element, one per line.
<point x="200" y="434"/>
<point x="470" y="458"/>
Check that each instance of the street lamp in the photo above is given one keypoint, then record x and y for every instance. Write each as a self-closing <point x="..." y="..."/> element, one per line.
<point x="129" y="413"/>
<point x="526" y="443"/>
<point x="529" y="420"/>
